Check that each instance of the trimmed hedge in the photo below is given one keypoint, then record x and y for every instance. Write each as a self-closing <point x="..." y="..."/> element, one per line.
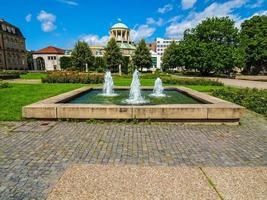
<point x="9" y="74"/>
<point x="252" y="99"/>
<point x="190" y="81"/>
<point x="4" y="85"/>
<point x="73" y="77"/>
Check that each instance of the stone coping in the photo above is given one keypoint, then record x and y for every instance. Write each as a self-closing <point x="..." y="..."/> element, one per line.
<point x="214" y="109"/>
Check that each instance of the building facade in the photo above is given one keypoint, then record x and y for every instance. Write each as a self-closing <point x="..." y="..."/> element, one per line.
<point x="48" y="59"/>
<point x="162" y="44"/>
<point x="13" y="54"/>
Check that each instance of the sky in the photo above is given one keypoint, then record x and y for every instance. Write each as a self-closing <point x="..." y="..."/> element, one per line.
<point x="62" y="22"/>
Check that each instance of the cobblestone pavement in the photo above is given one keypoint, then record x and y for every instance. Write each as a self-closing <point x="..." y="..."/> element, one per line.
<point x="33" y="155"/>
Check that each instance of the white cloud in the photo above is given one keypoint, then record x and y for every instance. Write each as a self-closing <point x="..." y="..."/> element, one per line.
<point x="165" y="9"/>
<point x="28" y="17"/>
<point x="47" y="21"/>
<point x="152" y="21"/>
<point x="188" y="4"/>
<point x="95" y="39"/>
<point x="142" y="31"/>
<point x="215" y="9"/>
<point x="69" y="2"/>
<point x="256" y="4"/>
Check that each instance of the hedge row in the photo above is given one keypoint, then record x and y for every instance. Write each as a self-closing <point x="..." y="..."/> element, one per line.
<point x="252" y="99"/>
<point x="10" y="74"/>
<point x="190" y="81"/>
<point x="73" y="77"/>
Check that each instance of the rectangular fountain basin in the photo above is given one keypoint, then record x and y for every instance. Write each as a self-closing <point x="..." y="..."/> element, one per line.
<point x="183" y="104"/>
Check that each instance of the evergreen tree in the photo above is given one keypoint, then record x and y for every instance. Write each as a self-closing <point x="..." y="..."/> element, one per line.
<point x="113" y="55"/>
<point x="142" y="56"/>
<point x="254" y="42"/>
<point x="65" y="62"/>
<point x="82" y="55"/>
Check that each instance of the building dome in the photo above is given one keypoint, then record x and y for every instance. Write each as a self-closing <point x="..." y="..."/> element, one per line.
<point x="119" y="25"/>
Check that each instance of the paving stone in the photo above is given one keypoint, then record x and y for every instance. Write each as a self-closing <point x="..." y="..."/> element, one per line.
<point x="44" y="154"/>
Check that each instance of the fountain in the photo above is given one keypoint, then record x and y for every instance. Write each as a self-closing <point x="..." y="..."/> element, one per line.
<point x="158" y="89"/>
<point x="135" y="96"/>
<point x="108" y="86"/>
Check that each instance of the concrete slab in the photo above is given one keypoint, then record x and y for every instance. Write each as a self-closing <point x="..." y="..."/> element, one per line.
<point x="248" y="183"/>
<point x="132" y="182"/>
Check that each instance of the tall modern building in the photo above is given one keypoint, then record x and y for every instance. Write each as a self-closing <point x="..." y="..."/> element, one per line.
<point x="162" y="44"/>
<point x="13" y="54"/>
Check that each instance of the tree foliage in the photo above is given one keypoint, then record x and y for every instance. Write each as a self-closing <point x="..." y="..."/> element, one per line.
<point x="211" y="47"/>
<point x="171" y="57"/>
<point x="65" y="62"/>
<point x="113" y="55"/>
<point x="30" y="60"/>
<point x="99" y="64"/>
<point x="254" y="42"/>
<point x="82" y="55"/>
<point x="142" y="56"/>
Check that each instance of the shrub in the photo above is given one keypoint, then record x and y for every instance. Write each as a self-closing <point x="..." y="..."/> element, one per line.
<point x="73" y="77"/>
<point x="4" y="85"/>
<point x="10" y="74"/>
<point x="252" y="99"/>
<point x="190" y="81"/>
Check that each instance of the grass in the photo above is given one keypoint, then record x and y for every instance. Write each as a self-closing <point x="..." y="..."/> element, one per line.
<point x="33" y="76"/>
<point x="18" y="95"/>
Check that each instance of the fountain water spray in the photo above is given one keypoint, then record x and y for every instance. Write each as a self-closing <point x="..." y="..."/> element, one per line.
<point x="158" y="89"/>
<point x="108" y="85"/>
<point x="135" y="96"/>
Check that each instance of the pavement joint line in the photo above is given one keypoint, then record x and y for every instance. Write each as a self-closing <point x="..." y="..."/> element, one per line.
<point x="211" y="183"/>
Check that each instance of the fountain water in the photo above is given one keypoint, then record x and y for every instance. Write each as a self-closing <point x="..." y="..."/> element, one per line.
<point x="108" y="85"/>
<point x="158" y="89"/>
<point x="135" y="96"/>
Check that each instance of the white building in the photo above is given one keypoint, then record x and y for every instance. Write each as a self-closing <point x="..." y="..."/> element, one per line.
<point x="162" y="44"/>
<point x="48" y="59"/>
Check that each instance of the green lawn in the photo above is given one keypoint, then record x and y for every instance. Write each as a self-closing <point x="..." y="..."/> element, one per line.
<point x="33" y="76"/>
<point x="13" y="99"/>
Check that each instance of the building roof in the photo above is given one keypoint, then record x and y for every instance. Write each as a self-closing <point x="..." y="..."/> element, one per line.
<point x="119" y="25"/>
<point x="9" y="28"/>
<point x="50" y="50"/>
<point x="126" y="46"/>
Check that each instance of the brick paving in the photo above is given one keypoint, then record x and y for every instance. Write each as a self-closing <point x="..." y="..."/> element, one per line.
<point x="35" y="154"/>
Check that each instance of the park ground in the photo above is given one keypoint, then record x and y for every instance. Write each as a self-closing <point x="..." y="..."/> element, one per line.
<point x="126" y="160"/>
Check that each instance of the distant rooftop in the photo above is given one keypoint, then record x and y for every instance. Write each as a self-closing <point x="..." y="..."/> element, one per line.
<point x="50" y="50"/>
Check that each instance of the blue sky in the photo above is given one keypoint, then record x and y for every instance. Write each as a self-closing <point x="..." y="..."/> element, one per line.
<point x="62" y="22"/>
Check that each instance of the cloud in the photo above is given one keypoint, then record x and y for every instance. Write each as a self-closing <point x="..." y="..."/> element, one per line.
<point x="47" y="21"/>
<point x="256" y="4"/>
<point x="142" y="31"/>
<point x="188" y="4"/>
<point x="69" y="2"/>
<point x="165" y="9"/>
<point x="95" y="39"/>
<point x="28" y="17"/>
<point x="176" y="29"/>
<point x="152" y="21"/>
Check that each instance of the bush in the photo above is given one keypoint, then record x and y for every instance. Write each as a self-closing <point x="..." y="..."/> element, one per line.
<point x="190" y="81"/>
<point x="73" y="77"/>
<point x="4" y="85"/>
<point x="10" y="74"/>
<point x="252" y="99"/>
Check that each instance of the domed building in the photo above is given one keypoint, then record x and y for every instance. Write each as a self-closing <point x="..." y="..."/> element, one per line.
<point x="121" y="33"/>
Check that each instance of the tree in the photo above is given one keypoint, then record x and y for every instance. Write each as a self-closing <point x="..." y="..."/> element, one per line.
<point x="30" y="60"/>
<point x="213" y="46"/>
<point x="142" y="56"/>
<point x="82" y="55"/>
<point x="172" y="57"/>
<point x="65" y="62"/>
<point x="254" y="43"/>
<point x="99" y="64"/>
<point x="113" y="55"/>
